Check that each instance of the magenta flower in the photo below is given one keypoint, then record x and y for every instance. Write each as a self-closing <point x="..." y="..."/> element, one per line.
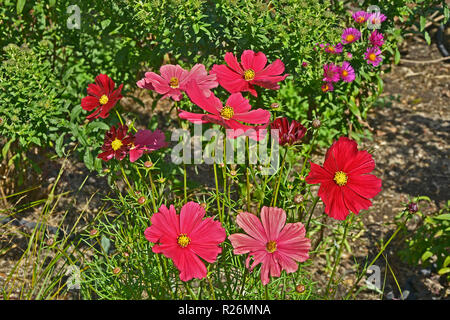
<point x="146" y="142"/>
<point x="360" y="16"/>
<point x="236" y="109"/>
<point x="185" y="238"/>
<point x="372" y="56"/>
<point x="336" y="49"/>
<point x="347" y="72"/>
<point x="275" y="244"/>
<point x="350" y="35"/>
<point x="171" y="83"/>
<point x="236" y="77"/>
<point x="331" y="73"/>
<point x="376" y="39"/>
<point x="376" y="18"/>
<point x="327" y="86"/>
<point x="349" y="55"/>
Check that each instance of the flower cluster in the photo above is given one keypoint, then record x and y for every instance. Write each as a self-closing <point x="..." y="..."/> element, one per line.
<point x="333" y="72"/>
<point x="190" y="238"/>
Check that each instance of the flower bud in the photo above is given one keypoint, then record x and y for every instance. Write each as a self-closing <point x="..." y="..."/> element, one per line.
<point x="316" y="123"/>
<point x="142" y="200"/>
<point x="413" y="207"/>
<point x="148" y="164"/>
<point x="298" y="199"/>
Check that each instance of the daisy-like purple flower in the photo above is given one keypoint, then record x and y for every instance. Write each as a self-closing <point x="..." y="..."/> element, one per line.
<point x="350" y="35"/>
<point x="331" y="72"/>
<point x="376" y="39"/>
<point x="347" y="72"/>
<point x="376" y="18"/>
<point x="336" y="49"/>
<point x="327" y="86"/>
<point x="360" y="16"/>
<point x="372" y="56"/>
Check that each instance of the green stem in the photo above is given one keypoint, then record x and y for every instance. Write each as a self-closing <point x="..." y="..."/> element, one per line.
<point x="211" y="288"/>
<point x="243" y="282"/>
<point x="274" y="200"/>
<point x="185" y="183"/>
<point x="339" y="253"/>
<point x="373" y="261"/>
<point x="313" y="206"/>
<point x="217" y="191"/>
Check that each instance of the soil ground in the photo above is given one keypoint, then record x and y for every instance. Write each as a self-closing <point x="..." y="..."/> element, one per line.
<point x="410" y="140"/>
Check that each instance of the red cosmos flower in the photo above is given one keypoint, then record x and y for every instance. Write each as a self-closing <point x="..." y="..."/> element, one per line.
<point x="288" y="133"/>
<point x="274" y="243"/>
<point x="145" y="142"/>
<point x="236" y="109"/>
<point x="186" y="237"/>
<point x="101" y="95"/>
<point x="237" y="77"/>
<point x="345" y="184"/>
<point x="117" y="143"/>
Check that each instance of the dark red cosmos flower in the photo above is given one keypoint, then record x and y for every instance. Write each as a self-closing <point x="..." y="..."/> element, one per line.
<point x="288" y="133"/>
<point x="117" y="143"/>
<point x="345" y="184"/>
<point x="101" y="95"/>
<point x="252" y="70"/>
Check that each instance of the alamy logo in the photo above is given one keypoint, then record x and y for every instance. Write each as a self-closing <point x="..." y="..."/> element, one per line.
<point x="74" y="280"/>
<point x="74" y="21"/>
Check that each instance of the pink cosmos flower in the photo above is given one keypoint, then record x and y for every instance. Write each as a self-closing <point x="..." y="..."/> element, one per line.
<point x="171" y="83"/>
<point x="347" y="72"/>
<point x="350" y="35"/>
<point x="376" y="39"/>
<point x="251" y="71"/>
<point x="376" y="18"/>
<point x="361" y="16"/>
<point x="185" y="238"/>
<point x="372" y="56"/>
<point x="236" y="109"/>
<point x="204" y="80"/>
<point x="146" y="142"/>
<point x="270" y="241"/>
<point x="331" y="72"/>
<point x="327" y="86"/>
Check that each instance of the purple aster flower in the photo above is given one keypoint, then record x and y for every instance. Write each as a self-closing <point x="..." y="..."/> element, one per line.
<point x="361" y="16"/>
<point x="334" y="49"/>
<point x="331" y="72"/>
<point x="347" y="72"/>
<point x="376" y="39"/>
<point x="376" y="18"/>
<point x="327" y="86"/>
<point x="372" y="56"/>
<point x="350" y="35"/>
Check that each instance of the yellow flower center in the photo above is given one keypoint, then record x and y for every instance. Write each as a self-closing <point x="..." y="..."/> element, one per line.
<point x="344" y="73"/>
<point x="103" y="99"/>
<point x="325" y="88"/>
<point x="173" y="83"/>
<point x="330" y="48"/>
<point x="183" y="240"/>
<point x="361" y="19"/>
<point x="249" y="74"/>
<point x="271" y="246"/>
<point x="227" y="112"/>
<point x="372" y="57"/>
<point x="340" y="178"/>
<point x="350" y="38"/>
<point x="116" y="144"/>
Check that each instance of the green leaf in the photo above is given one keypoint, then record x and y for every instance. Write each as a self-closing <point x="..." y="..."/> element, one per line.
<point x="105" y="23"/>
<point x="447" y="261"/>
<point x="58" y="147"/>
<point x="427" y="37"/>
<point x="20" y="5"/>
<point x="444" y="271"/>
<point x="6" y="148"/>
<point x="88" y="159"/>
<point x="196" y="28"/>
<point x="426" y="255"/>
<point x="396" y="56"/>
<point x="445" y="216"/>
<point x="423" y="21"/>
<point x="94" y="126"/>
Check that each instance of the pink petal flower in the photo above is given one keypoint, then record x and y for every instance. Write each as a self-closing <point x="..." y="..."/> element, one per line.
<point x="273" y="243"/>
<point x="186" y="238"/>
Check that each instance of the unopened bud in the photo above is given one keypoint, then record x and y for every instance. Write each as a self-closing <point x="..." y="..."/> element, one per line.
<point x="148" y="164"/>
<point x="298" y="199"/>
<point x="316" y="123"/>
<point x="413" y="207"/>
<point x="274" y="105"/>
<point x="142" y="200"/>
<point x="300" y="288"/>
